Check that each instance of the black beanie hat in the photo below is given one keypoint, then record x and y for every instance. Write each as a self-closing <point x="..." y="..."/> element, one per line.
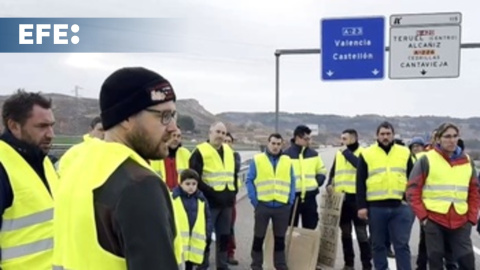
<point x="130" y="90"/>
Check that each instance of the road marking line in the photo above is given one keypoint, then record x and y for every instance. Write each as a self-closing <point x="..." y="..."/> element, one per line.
<point x="392" y="264"/>
<point x="476" y="250"/>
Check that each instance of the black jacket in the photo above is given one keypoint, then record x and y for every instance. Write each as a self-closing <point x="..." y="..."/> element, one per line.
<point x="215" y="199"/>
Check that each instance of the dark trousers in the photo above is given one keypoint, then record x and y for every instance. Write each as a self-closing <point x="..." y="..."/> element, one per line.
<point x="279" y="217"/>
<point x="388" y="244"/>
<point x="395" y="222"/>
<point x="308" y="209"/>
<point x="231" y="241"/>
<point x="422" y="259"/>
<point x="189" y="265"/>
<point x="221" y="219"/>
<point x="349" y="216"/>
<point x="460" y="243"/>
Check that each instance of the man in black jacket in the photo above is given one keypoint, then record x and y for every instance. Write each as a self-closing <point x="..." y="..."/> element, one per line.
<point x="27" y="182"/>
<point x="214" y="161"/>
<point x="132" y="211"/>
<point x="231" y="242"/>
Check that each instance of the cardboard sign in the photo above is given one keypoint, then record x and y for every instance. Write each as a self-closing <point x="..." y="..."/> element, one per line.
<point x="330" y="211"/>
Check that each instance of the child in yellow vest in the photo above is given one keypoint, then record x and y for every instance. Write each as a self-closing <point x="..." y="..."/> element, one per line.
<point x="193" y="217"/>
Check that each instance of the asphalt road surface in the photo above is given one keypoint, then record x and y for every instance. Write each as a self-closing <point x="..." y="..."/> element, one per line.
<point x="244" y="231"/>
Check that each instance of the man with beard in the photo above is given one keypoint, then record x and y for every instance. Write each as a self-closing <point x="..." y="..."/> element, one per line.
<point x="113" y="211"/>
<point x="342" y="179"/>
<point x="215" y="163"/>
<point x="172" y="166"/>
<point x="381" y="183"/>
<point x="27" y="182"/>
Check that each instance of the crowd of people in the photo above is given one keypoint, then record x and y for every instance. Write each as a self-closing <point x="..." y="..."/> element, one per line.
<point x="130" y="196"/>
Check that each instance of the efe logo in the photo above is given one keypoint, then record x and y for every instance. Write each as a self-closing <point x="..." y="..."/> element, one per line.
<point x="60" y="32"/>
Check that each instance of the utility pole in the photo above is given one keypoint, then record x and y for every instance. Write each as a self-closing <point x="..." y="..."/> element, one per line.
<point x="77" y="108"/>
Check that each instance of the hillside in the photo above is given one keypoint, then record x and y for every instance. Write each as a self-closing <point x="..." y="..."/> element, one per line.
<point x="74" y="115"/>
<point x="406" y="126"/>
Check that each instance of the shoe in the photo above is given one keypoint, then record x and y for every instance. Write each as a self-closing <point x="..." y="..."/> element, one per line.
<point x="232" y="261"/>
<point x="348" y="268"/>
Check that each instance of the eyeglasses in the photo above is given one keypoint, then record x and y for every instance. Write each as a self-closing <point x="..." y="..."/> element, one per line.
<point x="165" y="116"/>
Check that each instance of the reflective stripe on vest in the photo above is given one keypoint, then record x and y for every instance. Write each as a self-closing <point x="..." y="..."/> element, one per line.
<point x="216" y="173"/>
<point x="74" y="216"/>
<point x="194" y="243"/>
<point x="305" y="173"/>
<point x="387" y="174"/>
<point x="182" y="157"/>
<point x="345" y="174"/>
<point x="446" y="185"/>
<point x="26" y="235"/>
<point x="272" y="184"/>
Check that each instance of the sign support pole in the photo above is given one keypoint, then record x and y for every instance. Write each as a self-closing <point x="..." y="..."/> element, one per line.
<point x="280" y="52"/>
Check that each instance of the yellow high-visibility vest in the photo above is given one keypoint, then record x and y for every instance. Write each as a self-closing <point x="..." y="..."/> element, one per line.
<point x="345" y="173"/>
<point x="69" y="156"/>
<point x="76" y="244"/>
<point x="217" y="174"/>
<point x="26" y="236"/>
<point x="270" y="184"/>
<point x="306" y="170"/>
<point x="181" y="161"/>
<point x="446" y="185"/>
<point x="194" y="242"/>
<point x="387" y="174"/>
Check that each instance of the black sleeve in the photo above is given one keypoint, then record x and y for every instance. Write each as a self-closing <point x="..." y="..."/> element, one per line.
<point x="196" y="164"/>
<point x="237" y="159"/>
<point x="409" y="170"/>
<point x="350" y="157"/>
<point x="362" y="175"/>
<point x="331" y="175"/>
<point x="409" y="166"/>
<point x="6" y="195"/>
<point x="144" y="215"/>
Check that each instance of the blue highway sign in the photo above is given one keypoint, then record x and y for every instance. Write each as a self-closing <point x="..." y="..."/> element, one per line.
<point x="353" y="48"/>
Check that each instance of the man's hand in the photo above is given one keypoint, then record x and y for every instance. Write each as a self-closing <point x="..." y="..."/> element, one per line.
<point x="329" y="189"/>
<point x="363" y="213"/>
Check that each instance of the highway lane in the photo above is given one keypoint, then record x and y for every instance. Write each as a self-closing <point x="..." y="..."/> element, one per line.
<point x="244" y="229"/>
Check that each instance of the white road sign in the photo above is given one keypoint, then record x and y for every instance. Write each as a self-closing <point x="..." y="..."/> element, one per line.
<point x="431" y="50"/>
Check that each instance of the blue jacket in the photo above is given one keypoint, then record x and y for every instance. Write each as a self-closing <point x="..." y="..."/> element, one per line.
<point x="190" y="203"/>
<point x="252" y="174"/>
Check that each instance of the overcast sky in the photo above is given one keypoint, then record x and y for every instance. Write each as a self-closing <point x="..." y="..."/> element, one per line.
<point x="233" y="58"/>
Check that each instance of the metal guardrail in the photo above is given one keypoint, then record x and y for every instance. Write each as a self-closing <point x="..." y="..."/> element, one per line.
<point x="242" y="173"/>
